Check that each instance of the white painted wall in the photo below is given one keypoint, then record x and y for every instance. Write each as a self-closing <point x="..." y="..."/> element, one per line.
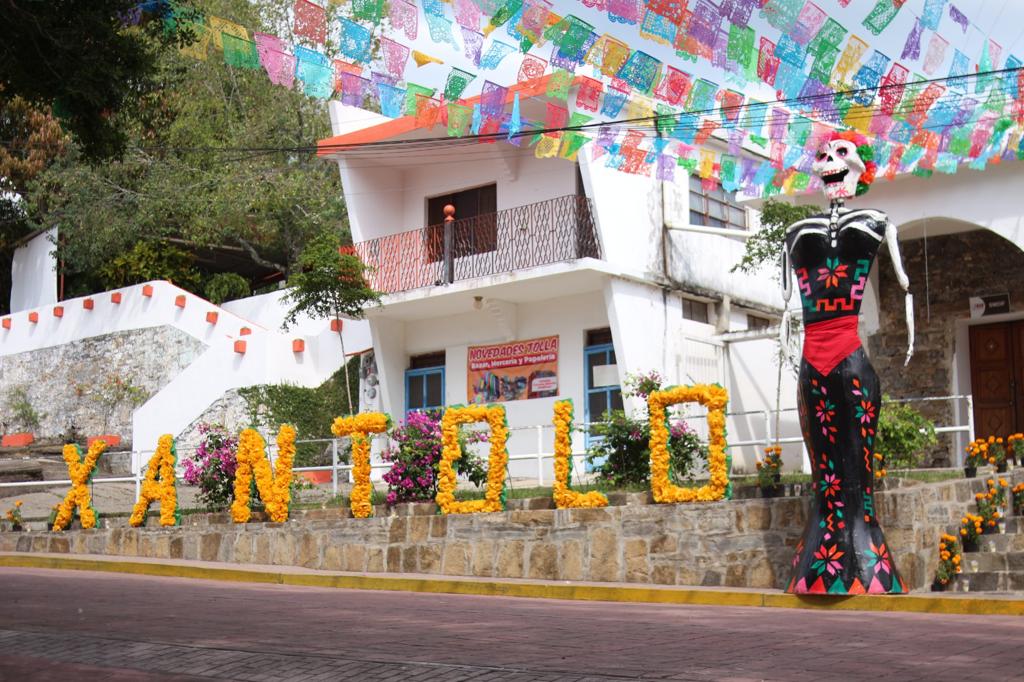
<point x="385" y="200"/>
<point x="631" y="211"/>
<point x="568" y="317"/>
<point x="650" y="332"/>
<point x="753" y="382"/>
<point x="34" y="273"/>
<point x="990" y="199"/>
<point x="268" y="356"/>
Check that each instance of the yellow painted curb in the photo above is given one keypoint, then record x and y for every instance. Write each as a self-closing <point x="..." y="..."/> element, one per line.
<point x="588" y="592"/>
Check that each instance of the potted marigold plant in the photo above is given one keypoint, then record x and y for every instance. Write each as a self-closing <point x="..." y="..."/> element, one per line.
<point x="1018" y="499"/>
<point x="769" y="472"/>
<point x="1015" y="448"/>
<point x="949" y="562"/>
<point x="970" y="531"/>
<point x="988" y="510"/>
<point x="880" y="471"/>
<point x="14" y="517"/>
<point x="977" y="455"/>
<point x="997" y="454"/>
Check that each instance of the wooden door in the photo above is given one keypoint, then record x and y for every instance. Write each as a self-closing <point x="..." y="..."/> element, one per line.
<point x="1017" y="383"/>
<point x="997" y="378"/>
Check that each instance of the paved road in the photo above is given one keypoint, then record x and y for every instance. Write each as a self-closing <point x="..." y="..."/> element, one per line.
<point x="70" y="625"/>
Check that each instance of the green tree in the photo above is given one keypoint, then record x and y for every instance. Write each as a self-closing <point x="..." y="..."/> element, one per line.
<point x="32" y="140"/>
<point x="147" y="261"/>
<point x="215" y="157"/>
<point x="765" y="245"/>
<point x="329" y="285"/>
<point x="904" y="434"/>
<point x="86" y="60"/>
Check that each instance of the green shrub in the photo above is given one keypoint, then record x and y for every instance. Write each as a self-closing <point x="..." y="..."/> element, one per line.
<point x="19" y="408"/>
<point x="147" y="261"/>
<point x="310" y="410"/>
<point x="903" y="435"/>
<point x="622" y="457"/>
<point x="226" y="286"/>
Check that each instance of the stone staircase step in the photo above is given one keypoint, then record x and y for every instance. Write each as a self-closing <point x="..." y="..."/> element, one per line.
<point x="989" y="581"/>
<point x="117" y="463"/>
<point x="985" y="562"/>
<point x="1003" y="542"/>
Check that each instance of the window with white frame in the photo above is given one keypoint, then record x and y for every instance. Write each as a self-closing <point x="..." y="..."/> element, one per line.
<point x="715" y="207"/>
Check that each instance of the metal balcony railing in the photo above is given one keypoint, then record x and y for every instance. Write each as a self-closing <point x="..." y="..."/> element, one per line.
<point x="514" y="239"/>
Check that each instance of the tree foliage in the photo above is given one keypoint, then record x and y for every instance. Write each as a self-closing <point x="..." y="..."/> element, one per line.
<point x="211" y="159"/>
<point x="147" y="261"/>
<point x="32" y="140"/>
<point x="86" y="60"/>
<point x="765" y="245"/>
<point x="328" y="284"/>
<point x="226" y="286"/>
<point x="904" y="434"/>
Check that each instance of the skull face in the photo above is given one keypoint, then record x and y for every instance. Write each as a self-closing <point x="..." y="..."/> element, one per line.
<point x="839" y="166"/>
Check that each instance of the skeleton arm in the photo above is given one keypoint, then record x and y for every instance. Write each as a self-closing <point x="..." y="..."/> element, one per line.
<point x="787" y="292"/>
<point x="901" y="277"/>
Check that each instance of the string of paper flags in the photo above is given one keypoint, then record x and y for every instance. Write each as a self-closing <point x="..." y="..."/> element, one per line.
<point x="823" y="74"/>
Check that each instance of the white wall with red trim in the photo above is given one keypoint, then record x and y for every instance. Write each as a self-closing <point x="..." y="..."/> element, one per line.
<point x="34" y="272"/>
<point x="240" y="351"/>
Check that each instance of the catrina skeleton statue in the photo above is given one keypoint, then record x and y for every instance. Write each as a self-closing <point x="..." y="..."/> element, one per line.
<point x="843" y="550"/>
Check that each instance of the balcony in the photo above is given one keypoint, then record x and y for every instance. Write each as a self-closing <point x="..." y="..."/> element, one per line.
<point x="549" y="231"/>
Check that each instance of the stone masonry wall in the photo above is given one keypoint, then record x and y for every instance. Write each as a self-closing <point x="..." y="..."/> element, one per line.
<point x="65" y="383"/>
<point x="739" y="543"/>
<point x="230" y="411"/>
<point x="959" y="266"/>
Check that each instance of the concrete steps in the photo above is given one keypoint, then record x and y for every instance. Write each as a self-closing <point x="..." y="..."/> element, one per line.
<point x="47" y="464"/>
<point x="998" y="566"/>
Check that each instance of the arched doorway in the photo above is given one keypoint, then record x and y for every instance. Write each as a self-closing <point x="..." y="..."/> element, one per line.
<point x="949" y="262"/>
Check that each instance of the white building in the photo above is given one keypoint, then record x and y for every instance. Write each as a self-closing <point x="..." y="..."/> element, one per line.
<point x="962" y="238"/>
<point x="626" y="272"/>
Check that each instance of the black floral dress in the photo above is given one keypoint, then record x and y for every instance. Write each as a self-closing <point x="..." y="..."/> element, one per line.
<point x="843" y="550"/>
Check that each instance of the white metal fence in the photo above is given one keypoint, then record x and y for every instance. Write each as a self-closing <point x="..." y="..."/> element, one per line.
<point x="766" y="418"/>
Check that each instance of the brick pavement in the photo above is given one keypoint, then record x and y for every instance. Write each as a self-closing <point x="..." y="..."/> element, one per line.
<point x="65" y="625"/>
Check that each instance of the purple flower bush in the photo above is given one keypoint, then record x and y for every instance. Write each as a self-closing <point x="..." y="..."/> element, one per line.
<point x="416" y="454"/>
<point x="212" y="468"/>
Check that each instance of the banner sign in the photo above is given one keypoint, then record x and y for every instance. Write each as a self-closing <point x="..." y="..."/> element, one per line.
<point x="517" y="370"/>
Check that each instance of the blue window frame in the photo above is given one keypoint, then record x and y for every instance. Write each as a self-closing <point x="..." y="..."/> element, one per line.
<point x="600" y="396"/>
<point x="424" y="389"/>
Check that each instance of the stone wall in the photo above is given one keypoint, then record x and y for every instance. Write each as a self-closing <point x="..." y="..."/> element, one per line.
<point x="739" y="543"/>
<point x="958" y="266"/>
<point x="65" y="383"/>
<point x="230" y="411"/>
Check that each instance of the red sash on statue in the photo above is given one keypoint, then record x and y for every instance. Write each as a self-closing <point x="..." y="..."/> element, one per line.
<point x="828" y="343"/>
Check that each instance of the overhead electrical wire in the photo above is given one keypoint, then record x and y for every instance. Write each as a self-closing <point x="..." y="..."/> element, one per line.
<point x="748" y="114"/>
<point x="754" y="114"/>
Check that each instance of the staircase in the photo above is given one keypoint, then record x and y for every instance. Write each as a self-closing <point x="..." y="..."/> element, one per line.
<point x="38" y="463"/>
<point x="998" y="566"/>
